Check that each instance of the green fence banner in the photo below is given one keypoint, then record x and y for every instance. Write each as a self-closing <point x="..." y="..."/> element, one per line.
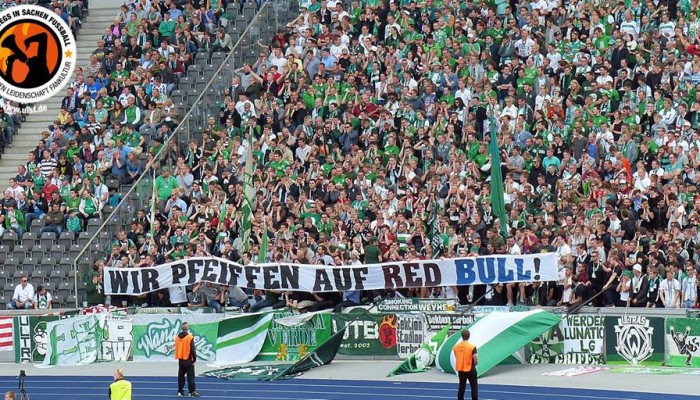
<point x="578" y="339"/>
<point x="154" y="335"/>
<point x="683" y="342"/>
<point x="367" y="334"/>
<point x="634" y="340"/>
<point x="290" y="343"/>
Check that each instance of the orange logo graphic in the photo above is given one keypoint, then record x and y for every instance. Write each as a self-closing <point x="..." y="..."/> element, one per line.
<point x="29" y="54"/>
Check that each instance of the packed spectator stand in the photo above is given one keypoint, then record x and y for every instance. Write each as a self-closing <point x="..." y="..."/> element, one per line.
<point x="371" y="119"/>
<point x="112" y="116"/>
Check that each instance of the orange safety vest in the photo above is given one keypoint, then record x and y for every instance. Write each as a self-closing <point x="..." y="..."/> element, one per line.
<point x="182" y="347"/>
<point x="463" y="352"/>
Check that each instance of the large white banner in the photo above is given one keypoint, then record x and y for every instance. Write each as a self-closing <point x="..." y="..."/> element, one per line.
<point x="88" y="339"/>
<point x="321" y="278"/>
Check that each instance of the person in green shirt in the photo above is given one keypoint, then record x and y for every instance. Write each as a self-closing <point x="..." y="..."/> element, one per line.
<point x="167" y="26"/>
<point x="373" y="254"/>
<point x="94" y="290"/>
<point x="165" y="184"/>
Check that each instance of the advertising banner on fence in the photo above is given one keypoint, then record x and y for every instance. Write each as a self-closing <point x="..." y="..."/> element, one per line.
<point x="683" y="342"/>
<point x="289" y="343"/>
<point x="320" y="278"/>
<point x="457" y="321"/>
<point x="634" y="340"/>
<point x="367" y="334"/>
<point x="413" y="304"/>
<point x="154" y="335"/>
<point x="578" y="339"/>
<point x="88" y="339"/>
<point x="410" y="333"/>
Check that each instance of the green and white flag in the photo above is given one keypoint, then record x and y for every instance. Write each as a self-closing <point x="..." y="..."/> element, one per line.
<point x="241" y="338"/>
<point x="497" y="336"/>
<point x="423" y="359"/>
<point x="248" y="195"/>
<point x="324" y="354"/>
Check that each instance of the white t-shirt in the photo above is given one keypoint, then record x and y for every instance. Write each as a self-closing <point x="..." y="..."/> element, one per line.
<point x="669" y="289"/>
<point x="177" y="295"/>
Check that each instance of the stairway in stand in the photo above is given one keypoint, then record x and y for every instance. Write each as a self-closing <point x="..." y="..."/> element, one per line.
<point x="100" y="16"/>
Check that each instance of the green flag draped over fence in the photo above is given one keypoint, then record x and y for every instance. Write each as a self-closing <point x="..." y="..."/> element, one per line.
<point x="324" y="354"/>
<point x="497" y="336"/>
<point x="424" y="358"/>
<point x="497" y="196"/>
<point x="241" y="338"/>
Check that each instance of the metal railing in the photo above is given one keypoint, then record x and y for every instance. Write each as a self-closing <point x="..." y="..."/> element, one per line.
<point x="209" y="101"/>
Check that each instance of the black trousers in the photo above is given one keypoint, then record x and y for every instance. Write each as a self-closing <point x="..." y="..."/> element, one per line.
<point x="186" y="368"/>
<point x="473" y="384"/>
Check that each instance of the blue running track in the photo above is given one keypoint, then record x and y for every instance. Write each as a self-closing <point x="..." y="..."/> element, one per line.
<point x="153" y="388"/>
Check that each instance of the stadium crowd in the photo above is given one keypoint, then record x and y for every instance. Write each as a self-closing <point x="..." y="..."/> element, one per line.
<point x="373" y="118"/>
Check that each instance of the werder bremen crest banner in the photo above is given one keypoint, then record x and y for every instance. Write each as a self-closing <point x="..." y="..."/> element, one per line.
<point x="634" y="340"/>
<point x="683" y="342"/>
<point x="154" y="335"/>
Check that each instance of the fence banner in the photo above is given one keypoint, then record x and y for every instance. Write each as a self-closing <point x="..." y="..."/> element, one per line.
<point x="88" y="339"/>
<point x="30" y="337"/>
<point x="683" y="342"/>
<point x="6" y="331"/>
<point x="635" y="340"/>
<point x="173" y="310"/>
<point x="154" y="335"/>
<point x="578" y="339"/>
<point x="367" y="334"/>
<point x="410" y="333"/>
<point x="320" y="278"/>
<point x="290" y="343"/>
<point x="401" y="304"/>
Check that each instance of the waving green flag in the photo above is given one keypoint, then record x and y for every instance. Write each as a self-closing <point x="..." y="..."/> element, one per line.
<point x="497" y="201"/>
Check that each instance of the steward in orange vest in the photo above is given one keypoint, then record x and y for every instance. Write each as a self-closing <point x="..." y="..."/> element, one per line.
<point x="465" y="366"/>
<point x="186" y="355"/>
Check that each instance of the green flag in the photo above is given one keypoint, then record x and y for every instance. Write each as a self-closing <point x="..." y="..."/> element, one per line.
<point x="324" y="354"/>
<point x="497" y="201"/>
<point x="154" y="205"/>
<point x="424" y="358"/>
<point x="262" y="252"/>
<point x="248" y="195"/>
<point x="435" y="234"/>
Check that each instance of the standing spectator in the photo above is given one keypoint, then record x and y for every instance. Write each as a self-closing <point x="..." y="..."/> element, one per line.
<point x="689" y="288"/>
<point x="670" y="290"/>
<point x="23" y="297"/>
<point x="94" y="291"/>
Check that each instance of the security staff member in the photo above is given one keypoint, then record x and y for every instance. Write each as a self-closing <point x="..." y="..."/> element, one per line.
<point x="465" y="365"/>
<point x="186" y="355"/>
<point x="121" y="388"/>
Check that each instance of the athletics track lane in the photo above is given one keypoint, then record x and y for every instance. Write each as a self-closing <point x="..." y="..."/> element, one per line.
<point x="154" y="388"/>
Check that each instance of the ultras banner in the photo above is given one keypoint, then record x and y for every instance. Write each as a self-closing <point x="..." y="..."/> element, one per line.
<point x="321" y="278"/>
